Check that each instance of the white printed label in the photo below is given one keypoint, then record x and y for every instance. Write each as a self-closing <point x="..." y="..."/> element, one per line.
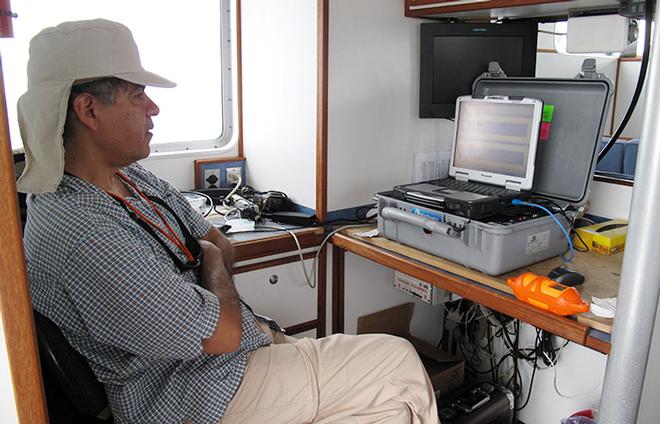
<point x="414" y="287"/>
<point x="537" y="242"/>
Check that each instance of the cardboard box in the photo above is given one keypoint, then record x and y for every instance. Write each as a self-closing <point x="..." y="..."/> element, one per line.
<point x="606" y="238"/>
<point x="445" y="370"/>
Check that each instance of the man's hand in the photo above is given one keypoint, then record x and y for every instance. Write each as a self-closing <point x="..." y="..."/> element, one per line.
<point x="220" y="241"/>
<point x="215" y="278"/>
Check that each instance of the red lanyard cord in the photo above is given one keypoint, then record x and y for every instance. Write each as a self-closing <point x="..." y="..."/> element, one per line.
<point x="169" y="233"/>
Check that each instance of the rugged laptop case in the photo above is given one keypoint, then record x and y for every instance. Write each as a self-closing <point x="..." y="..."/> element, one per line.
<point x="565" y="165"/>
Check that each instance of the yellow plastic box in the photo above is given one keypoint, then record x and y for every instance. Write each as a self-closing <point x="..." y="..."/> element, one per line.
<point x="606" y="238"/>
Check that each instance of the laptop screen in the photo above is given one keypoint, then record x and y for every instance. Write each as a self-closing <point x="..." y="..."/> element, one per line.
<point x="496" y="137"/>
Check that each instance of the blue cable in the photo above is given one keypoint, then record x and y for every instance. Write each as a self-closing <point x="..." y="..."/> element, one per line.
<point x="543" y="208"/>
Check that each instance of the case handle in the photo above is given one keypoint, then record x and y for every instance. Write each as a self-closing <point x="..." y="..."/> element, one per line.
<point x="420" y="221"/>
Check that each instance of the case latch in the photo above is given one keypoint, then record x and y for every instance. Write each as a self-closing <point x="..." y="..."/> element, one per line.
<point x="589" y="71"/>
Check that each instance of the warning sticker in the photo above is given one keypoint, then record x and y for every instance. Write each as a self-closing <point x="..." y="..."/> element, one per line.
<point x="537" y="242"/>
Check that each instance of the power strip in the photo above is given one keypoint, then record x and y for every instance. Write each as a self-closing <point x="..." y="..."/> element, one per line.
<point x="419" y="289"/>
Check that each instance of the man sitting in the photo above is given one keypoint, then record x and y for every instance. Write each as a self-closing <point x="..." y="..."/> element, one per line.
<point x="140" y="284"/>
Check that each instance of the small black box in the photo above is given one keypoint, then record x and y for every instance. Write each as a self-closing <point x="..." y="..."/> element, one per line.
<point x="484" y="403"/>
<point x="294" y="218"/>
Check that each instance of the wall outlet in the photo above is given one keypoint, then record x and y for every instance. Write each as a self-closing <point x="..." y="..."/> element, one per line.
<point x="211" y="178"/>
<point x="220" y="172"/>
<point x="233" y="175"/>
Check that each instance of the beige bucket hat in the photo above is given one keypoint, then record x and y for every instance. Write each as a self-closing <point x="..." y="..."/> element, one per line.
<point x="59" y="57"/>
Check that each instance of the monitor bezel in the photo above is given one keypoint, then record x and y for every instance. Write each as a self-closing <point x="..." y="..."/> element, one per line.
<point x="427" y="108"/>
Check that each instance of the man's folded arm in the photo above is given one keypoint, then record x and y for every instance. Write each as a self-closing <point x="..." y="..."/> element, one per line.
<point x="215" y="278"/>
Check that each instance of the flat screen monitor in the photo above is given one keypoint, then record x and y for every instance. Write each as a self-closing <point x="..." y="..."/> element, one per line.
<point x="454" y="55"/>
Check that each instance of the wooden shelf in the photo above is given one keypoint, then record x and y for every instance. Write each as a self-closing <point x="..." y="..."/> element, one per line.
<point x="492" y="292"/>
<point x="490" y="9"/>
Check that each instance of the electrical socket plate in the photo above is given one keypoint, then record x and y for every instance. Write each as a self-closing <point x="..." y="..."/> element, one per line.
<point x="209" y="181"/>
<point x="233" y="175"/>
<point x="224" y="172"/>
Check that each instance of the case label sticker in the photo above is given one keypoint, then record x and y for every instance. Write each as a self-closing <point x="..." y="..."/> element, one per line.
<point x="537" y="242"/>
<point x="437" y="216"/>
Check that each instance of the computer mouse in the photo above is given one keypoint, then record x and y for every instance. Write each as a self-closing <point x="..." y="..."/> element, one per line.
<point x="566" y="277"/>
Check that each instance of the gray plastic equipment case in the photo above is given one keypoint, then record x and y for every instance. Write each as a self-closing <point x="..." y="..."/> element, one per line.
<point x="565" y="164"/>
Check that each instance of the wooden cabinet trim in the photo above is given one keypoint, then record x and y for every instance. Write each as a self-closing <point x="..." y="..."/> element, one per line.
<point x="276" y="244"/>
<point x="491" y="4"/>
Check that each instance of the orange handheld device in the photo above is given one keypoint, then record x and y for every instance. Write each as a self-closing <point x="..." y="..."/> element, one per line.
<point x="547" y="294"/>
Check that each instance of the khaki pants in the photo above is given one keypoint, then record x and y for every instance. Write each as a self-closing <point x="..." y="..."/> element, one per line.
<point x="370" y="379"/>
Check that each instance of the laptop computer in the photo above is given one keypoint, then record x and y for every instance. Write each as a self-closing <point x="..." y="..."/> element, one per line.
<point x="492" y="159"/>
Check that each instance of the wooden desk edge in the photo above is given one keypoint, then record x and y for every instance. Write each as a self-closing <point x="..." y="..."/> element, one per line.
<point x="599" y="345"/>
<point x="278" y="243"/>
<point x="561" y="326"/>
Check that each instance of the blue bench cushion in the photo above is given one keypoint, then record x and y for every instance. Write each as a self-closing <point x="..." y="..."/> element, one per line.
<point x="613" y="161"/>
<point x="630" y="157"/>
<point x="621" y="159"/>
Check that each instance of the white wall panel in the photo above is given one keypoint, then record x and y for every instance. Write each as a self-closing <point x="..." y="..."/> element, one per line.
<point x="279" y="96"/>
<point x="627" y="82"/>
<point x="546" y="41"/>
<point x="179" y="169"/>
<point x="374" y="129"/>
<point x="369" y="288"/>
<point x="579" y="378"/>
<point x="610" y="200"/>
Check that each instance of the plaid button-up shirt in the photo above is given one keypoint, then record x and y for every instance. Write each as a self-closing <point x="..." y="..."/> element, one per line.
<point x="124" y="305"/>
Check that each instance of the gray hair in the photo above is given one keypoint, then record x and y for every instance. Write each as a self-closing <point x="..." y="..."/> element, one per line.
<point x="104" y="89"/>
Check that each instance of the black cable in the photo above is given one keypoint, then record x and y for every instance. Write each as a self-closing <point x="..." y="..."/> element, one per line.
<point x="516" y="388"/>
<point x="339" y="221"/>
<point x="648" y="16"/>
<point x="366" y="208"/>
<point x="444" y="329"/>
<point x="547" y="349"/>
<point x="466" y="332"/>
<point x="570" y="222"/>
<point x="459" y="228"/>
<point x="490" y="351"/>
<point x="534" y="368"/>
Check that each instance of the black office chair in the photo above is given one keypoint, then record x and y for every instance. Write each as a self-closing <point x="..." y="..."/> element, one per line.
<point x="19" y="165"/>
<point x="65" y="370"/>
<point x="73" y="394"/>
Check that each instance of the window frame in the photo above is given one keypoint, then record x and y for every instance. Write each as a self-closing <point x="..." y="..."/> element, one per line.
<point x="227" y="61"/>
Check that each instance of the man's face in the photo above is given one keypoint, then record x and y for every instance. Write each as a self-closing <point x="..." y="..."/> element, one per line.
<point x="124" y="126"/>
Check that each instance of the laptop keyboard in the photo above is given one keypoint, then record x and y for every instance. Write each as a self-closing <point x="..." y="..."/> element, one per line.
<point x="472" y="187"/>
